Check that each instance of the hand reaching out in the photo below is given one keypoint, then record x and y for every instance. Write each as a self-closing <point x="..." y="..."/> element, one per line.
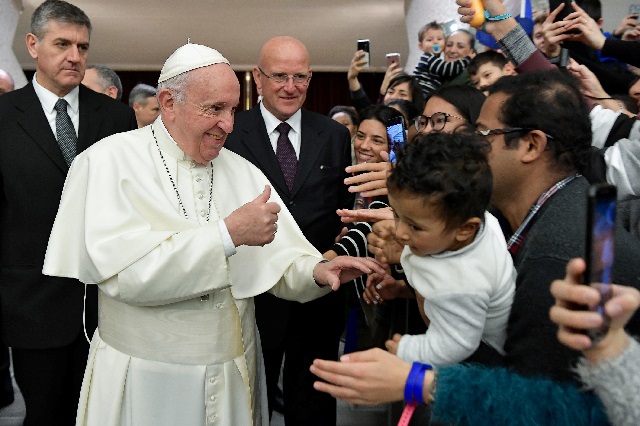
<point x="383" y="243"/>
<point x="380" y="288"/>
<point x="372" y="178"/>
<point x="365" y="215"/>
<point x="393" y="343"/>
<point x="343" y="269"/>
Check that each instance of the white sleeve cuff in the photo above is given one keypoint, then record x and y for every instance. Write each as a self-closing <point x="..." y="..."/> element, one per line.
<point x="227" y="242"/>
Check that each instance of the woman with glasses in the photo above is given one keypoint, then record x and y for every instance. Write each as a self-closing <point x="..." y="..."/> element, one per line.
<point x="450" y="107"/>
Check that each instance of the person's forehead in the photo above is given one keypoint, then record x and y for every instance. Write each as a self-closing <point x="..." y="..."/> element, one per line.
<point x="437" y="104"/>
<point x="459" y="37"/>
<point x="342" y="116"/>
<point x="288" y="56"/>
<point x="433" y="32"/>
<point x="216" y="81"/>
<point x="56" y="29"/>
<point x="490" y="112"/>
<point x="488" y="66"/>
<point x="371" y="125"/>
<point x="403" y="85"/>
<point x="90" y="74"/>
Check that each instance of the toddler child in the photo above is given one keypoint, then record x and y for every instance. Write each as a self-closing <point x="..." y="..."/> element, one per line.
<point x="454" y="255"/>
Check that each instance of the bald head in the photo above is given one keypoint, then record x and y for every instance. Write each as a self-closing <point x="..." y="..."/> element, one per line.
<point x="283" y="45"/>
<point x="6" y="82"/>
<point x="283" y="58"/>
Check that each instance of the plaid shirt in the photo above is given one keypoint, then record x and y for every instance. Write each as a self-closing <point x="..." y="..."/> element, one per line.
<point x="516" y="240"/>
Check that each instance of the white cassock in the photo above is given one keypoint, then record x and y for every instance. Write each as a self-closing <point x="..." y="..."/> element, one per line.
<point x="177" y="342"/>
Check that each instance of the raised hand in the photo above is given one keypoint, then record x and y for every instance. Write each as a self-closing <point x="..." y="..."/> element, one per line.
<point x="357" y="65"/>
<point x="372" y="178"/>
<point x="569" y="293"/>
<point x="254" y="223"/>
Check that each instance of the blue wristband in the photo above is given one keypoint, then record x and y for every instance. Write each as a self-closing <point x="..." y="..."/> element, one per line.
<point x="496" y="18"/>
<point x="413" y="386"/>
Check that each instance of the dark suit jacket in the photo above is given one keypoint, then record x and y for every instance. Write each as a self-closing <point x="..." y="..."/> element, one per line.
<point x="40" y="311"/>
<point x="319" y="188"/>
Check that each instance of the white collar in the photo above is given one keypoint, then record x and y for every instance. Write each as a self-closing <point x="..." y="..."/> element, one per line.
<point x="166" y="141"/>
<point x="48" y="99"/>
<point x="271" y="122"/>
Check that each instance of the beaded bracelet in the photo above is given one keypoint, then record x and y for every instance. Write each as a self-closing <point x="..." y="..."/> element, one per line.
<point x="493" y="18"/>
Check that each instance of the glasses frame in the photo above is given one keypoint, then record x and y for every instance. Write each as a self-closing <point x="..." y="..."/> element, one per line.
<point x="275" y="78"/>
<point x="430" y="120"/>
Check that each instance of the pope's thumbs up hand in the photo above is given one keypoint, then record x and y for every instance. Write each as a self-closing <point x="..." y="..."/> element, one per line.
<point x="254" y="223"/>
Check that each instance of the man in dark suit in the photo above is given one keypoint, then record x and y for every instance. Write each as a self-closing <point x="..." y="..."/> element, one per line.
<point x="305" y="161"/>
<point x="42" y="317"/>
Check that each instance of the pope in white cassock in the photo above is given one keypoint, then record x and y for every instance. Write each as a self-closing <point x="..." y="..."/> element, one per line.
<point x="179" y="234"/>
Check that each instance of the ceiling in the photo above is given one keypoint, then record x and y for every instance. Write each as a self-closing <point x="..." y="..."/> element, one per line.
<point x="141" y="34"/>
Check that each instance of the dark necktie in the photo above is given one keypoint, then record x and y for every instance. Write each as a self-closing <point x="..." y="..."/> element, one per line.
<point x="286" y="155"/>
<point x="65" y="132"/>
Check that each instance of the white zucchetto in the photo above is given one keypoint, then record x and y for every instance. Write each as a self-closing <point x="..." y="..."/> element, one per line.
<point x="188" y="58"/>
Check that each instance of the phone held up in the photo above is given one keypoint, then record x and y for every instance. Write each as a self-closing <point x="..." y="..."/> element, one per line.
<point x="393" y="58"/>
<point x="363" y="44"/>
<point x="601" y="219"/>
<point x="396" y="136"/>
<point x="566" y="10"/>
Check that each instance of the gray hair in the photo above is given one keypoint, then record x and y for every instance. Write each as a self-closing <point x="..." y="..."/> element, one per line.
<point x="140" y="93"/>
<point x="177" y="85"/>
<point x="59" y="11"/>
<point x="107" y="78"/>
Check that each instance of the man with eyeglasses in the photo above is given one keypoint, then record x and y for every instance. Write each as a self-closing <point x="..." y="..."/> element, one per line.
<point x="539" y="130"/>
<point x="304" y="155"/>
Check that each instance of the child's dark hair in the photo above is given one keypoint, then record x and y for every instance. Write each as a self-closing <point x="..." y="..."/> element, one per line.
<point x="488" y="57"/>
<point x="450" y="171"/>
<point x="433" y="25"/>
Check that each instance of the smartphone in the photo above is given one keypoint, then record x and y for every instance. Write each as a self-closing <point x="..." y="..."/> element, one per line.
<point x="396" y="136"/>
<point x="393" y="58"/>
<point x="601" y="219"/>
<point x="363" y="44"/>
<point x="553" y="4"/>
<point x="563" y="61"/>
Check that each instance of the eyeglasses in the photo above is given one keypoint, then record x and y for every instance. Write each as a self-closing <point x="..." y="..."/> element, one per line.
<point x="507" y="130"/>
<point x="282" y="78"/>
<point x="438" y="120"/>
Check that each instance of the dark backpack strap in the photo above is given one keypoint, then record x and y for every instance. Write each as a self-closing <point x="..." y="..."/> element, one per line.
<point x="596" y="169"/>
<point x="620" y="129"/>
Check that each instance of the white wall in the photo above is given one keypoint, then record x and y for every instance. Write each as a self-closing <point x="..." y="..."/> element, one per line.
<point x="613" y="11"/>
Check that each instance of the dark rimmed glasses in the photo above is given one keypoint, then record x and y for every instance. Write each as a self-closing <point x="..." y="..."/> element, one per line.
<point x="438" y="120"/>
<point x="507" y="130"/>
<point x="282" y="78"/>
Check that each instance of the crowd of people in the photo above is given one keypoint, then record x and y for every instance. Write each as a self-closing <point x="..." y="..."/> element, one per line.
<point x="180" y="256"/>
